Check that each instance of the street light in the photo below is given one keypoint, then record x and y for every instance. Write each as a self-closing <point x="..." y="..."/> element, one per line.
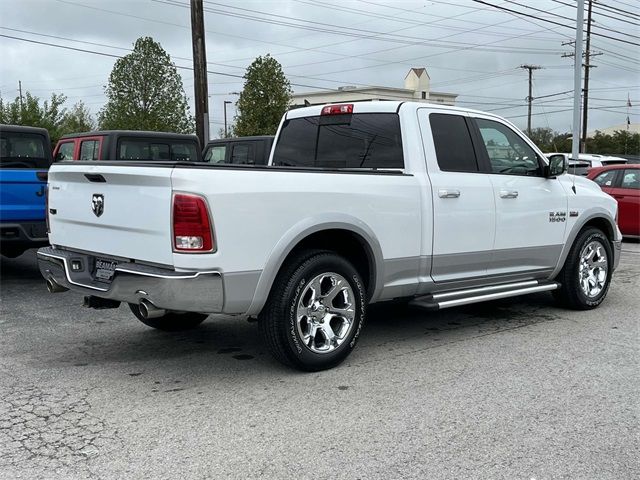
<point x="225" y="116"/>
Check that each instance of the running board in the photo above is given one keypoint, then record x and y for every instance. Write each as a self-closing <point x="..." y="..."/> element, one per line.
<point x="456" y="298"/>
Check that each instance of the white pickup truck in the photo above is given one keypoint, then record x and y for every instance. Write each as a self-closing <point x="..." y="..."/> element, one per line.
<point x="360" y="203"/>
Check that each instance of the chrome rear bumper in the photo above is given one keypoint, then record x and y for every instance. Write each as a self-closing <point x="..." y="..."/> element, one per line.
<point x="132" y="282"/>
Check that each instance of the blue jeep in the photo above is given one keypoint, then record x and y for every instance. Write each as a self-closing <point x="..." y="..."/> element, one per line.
<point x="25" y="157"/>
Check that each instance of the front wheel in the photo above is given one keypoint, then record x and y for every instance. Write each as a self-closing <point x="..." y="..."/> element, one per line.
<point x="170" y="322"/>
<point x="315" y="311"/>
<point x="586" y="274"/>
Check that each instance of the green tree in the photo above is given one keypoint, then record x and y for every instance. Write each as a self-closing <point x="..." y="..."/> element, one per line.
<point x="264" y="98"/>
<point x="562" y="142"/>
<point x="145" y="92"/>
<point x="77" y="119"/>
<point x="29" y="112"/>
<point x="621" y="142"/>
<point x="543" y="138"/>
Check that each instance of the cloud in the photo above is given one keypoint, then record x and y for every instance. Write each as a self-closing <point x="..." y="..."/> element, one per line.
<point x="468" y="48"/>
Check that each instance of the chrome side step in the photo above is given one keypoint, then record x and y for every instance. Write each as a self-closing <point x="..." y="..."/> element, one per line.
<point x="456" y="298"/>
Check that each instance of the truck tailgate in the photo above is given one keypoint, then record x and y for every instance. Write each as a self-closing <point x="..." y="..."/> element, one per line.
<point x="120" y="211"/>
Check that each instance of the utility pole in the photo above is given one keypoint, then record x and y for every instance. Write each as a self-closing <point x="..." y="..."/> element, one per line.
<point x="226" y="102"/>
<point x="577" y="71"/>
<point x="200" y="72"/>
<point x="20" y="91"/>
<point x="587" y="67"/>
<point x="531" y="68"/>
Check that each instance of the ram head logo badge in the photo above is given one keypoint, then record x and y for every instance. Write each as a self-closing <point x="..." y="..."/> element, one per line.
<point x="97" y="204"/>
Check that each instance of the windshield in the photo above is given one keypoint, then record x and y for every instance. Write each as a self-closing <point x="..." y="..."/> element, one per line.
<point x="23" y="150"/>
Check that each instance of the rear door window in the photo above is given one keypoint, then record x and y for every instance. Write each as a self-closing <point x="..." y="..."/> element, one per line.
<point x="23" y="150"/>
<point x="243" y="154"/>
<point x="362" y="140"/>
<point x="631" y="179"/>
<point x="89" y="150"/>
<point x="216" y="154"/>
<point x="452" y="141"/>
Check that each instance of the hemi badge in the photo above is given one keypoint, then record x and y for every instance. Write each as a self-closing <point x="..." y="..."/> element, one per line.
<point x="573" y="213"/>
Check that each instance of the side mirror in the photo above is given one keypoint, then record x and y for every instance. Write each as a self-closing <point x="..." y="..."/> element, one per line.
<point x="557" y="166"/>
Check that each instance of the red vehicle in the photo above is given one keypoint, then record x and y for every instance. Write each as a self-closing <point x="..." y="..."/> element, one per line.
<point x="622" y="182"/>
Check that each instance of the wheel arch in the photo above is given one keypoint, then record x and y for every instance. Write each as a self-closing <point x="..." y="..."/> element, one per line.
<point x="346" y="235"/>
<point x="598" y="218"/>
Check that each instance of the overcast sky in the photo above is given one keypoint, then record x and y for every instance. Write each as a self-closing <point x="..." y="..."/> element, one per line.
<point x="468" y="48"/>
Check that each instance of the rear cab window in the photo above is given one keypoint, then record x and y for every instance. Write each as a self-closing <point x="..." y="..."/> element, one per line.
<point x="23" y="151"/>
<point x="345" y="141"/>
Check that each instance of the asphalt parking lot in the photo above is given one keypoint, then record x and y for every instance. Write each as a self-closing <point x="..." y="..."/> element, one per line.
<point x="510" y="389"/>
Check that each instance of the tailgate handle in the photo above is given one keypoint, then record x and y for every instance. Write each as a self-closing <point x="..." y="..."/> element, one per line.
<point x="95" y="177"/>
<point x="43" y="176"/>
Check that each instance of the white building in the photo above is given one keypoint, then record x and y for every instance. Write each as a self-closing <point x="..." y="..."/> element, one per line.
<point x="416" y="88"/>
<point x="631" y="128"/>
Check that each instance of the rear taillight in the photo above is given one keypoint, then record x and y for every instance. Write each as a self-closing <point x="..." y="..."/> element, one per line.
<point x="191" y="224"/>
<point x="337" y="109"/>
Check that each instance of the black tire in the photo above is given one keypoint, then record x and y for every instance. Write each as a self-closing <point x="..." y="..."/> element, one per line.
<point x="278" y="321"/>
<point x="170" y="322"/>
<point x="570" y="294"/>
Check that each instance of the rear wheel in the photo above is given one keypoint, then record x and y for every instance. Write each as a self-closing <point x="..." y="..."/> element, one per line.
<point x="586" y="274"/>
<point x="315" y="311"/>
<point x="170" y="322"/>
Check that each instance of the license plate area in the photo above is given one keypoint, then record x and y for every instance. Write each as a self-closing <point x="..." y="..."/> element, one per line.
<point x="104" y="269"/>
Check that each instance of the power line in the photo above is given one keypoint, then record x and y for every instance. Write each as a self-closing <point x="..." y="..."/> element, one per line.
<point x="66" y="47"/>
<point x="431" y="15"/>
<point x="616" y="9"/>
<point x="568" y="18"/>
<point x="552" y="21"/>
<point x="599" y="13"/>
<point x="626" y="4"/>
<point x="402" y="62"/>
<point x="355" y="32"/>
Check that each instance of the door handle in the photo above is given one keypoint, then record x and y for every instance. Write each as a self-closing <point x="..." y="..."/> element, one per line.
<point x="508" y="194"/>
<point x="445" y="193"/>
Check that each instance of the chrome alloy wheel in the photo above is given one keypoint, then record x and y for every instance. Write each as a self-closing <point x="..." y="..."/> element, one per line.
<point x="326" y="312"/>
<point x="592" y="270"/>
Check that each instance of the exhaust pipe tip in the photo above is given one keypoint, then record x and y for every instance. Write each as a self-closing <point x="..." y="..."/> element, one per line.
<point x="149" y="310"/>
<point x="54" y="287"/>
